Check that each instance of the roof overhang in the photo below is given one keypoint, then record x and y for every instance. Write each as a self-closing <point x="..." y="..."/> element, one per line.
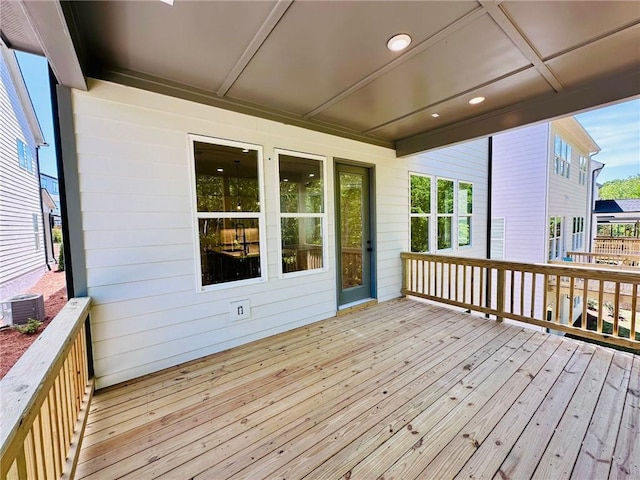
<point x="326" y="67"/>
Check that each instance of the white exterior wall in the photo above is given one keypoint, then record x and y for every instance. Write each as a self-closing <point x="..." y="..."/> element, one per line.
<point x="567" y="198"/>
<point x="22" y="260"/>
<point x="134" y="170"/>
<point x="519" y="191"/>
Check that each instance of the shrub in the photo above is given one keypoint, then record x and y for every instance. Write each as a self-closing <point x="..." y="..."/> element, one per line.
<point x="56" y="233"/>
<point x="30" y="327"/>
<point x="610" y="308"/>
<point x="592" y="303"/>
<point x="61" y="258"/>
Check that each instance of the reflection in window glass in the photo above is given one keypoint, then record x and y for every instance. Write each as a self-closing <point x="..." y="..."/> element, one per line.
<point x="351" y="228"/>
<point x="301" y="244"/>
<point x="444" y="232"/>
<point x="301" y="211"/>
<point x="420" y="212"/>
<point x="228" y="211"/>
<point x="465" y="211"/>
<point x="445" y="213"/>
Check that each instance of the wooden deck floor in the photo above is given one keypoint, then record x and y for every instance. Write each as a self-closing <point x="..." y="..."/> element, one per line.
<point x="402" y="390"/>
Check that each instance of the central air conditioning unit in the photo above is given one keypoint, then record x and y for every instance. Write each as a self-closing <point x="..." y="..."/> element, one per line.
<point x="17" y="310"/>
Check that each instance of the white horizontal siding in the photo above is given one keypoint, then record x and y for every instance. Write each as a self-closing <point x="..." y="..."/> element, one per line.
<point x="20" y="252"/>
<point x="136" y="213"/>
<point x="518" y="184"/>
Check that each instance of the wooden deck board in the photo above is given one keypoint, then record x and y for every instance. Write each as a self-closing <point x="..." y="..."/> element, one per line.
<point x="403" y="389"/>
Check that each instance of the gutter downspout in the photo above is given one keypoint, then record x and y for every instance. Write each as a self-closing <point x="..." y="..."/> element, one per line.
<point x="489" y="182"/>
<point x="44" y="225"/>
<point x="591" y="198"/>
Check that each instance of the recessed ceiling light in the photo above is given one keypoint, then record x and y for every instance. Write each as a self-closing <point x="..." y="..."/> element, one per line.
<point x="398" y="42"/>
<point x="285" y="179"/>
<point x="245" y="150"/>
<point x="435" y="115"/>
<point x="476" y="100"/>
<point x="220" y="169"/>
<point x="312" y="175"/>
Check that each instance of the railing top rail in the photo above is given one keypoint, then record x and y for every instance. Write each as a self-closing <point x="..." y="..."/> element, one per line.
<point x="28" y="380"/>
<point x="542" y="268"/>
<point x="621" y="256"/>
<point x="597" y="266"/>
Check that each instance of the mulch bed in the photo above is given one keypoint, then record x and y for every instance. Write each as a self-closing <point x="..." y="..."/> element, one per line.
<point x="13" y="343"/>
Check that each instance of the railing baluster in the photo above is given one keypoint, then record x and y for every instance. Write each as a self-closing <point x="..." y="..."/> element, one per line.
<point x="616" y="309"/>
<point x="600" y="305"/>
<point x="498" y="284"/>
<point x="571" y="297"/>
<point x="512" y="291"/>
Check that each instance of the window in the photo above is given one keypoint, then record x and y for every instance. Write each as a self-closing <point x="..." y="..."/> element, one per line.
<point x="577" y="237"/>
<point x="555" y="238"/>
<point x="420" y="212"/>
<point x="228" y="207"/>
<point x="25" y="158"/>
<point x="302" y="211"/>
<point x="445" y="213"/>
<point x="465" y="211"/>
<point x="561" y="157"/>
<point x="583" y="170"/>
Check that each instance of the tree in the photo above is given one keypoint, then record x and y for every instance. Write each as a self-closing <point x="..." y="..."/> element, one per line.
<point x="621" y="188"/>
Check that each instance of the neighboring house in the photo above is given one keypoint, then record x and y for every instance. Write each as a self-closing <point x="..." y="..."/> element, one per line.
<point x="618" y="226"/>
<point x="48" y="220"/>
<point x="22" y="252"/>
<point x="541" y="183"/>
<point x="617" y="218"/>
<point x="541" y="195"/>
<point x="50" y="184"/>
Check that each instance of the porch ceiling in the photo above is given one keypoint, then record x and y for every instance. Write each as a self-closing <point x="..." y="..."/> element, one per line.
<point x="325" y="66"/>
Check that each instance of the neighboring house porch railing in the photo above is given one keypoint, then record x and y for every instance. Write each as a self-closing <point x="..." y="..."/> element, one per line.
<point x="45" y="400"/>
<point x="550" y="296"/>
<point x="620" y="245"/>
<point x="613" y="259"/>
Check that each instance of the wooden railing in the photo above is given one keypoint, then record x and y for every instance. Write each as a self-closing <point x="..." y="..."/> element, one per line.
<point x="587" y="302"/>
<point x="623" y="245"/>
<point x="615" y="259"/>
<point x="44" y="400"/>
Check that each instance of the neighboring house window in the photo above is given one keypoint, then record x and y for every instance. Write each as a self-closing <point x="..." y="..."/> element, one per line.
<point x="302" y="211"/>
<point x="55" y="187"/>
<point x="465" y="211"/>
<point x="561" y="157"/>
<point x="583" y="170"/>
<point x="420" y="212"/>
<point x="445" y="196"/>
<point x="25" y="159"/>
<point x="555" y="238"/>
<point x="228" y="208"/>
<point x="577" y="237"/>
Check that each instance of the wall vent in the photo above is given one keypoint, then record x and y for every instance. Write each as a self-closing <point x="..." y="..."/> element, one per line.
<point x="17" y="310"/>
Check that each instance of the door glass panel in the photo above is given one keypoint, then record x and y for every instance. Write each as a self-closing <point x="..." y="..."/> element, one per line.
<point x="351" y="194"/>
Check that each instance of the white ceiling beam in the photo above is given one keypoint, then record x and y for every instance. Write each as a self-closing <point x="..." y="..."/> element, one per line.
<point x="50" y="28"/>
<point x="547" y="107"/>
<point x="510" y="29"/>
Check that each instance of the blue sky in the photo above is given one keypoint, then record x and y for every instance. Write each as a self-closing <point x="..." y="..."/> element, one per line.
<point x="34" y="72"/>
<point x="616" y="128"/>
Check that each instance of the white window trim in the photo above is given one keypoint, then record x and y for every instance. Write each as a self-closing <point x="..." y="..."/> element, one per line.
<point x="429" y="215"/>
<point x="470" y="215"/>
<point x="324" y="217"/>
<point x="191" y="138"/>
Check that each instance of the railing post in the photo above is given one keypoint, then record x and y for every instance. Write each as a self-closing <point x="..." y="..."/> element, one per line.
<point x="403" y="290"/>
<point x="500" y="293"/>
